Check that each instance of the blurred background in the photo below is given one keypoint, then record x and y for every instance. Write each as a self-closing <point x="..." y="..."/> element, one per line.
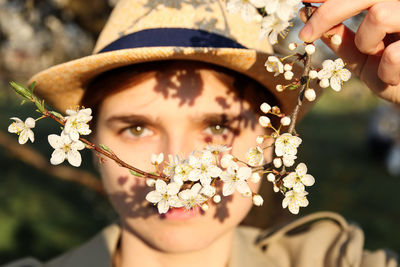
<point x="351" y="144"/>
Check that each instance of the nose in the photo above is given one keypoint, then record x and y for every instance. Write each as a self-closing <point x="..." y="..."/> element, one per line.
<point x="178" y="141"/>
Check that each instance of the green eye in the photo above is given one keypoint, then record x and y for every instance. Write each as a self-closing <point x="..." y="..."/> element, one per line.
<point x="139" y="131"/>
<point x="136" y="130"/>
<point x="216" y="129"/>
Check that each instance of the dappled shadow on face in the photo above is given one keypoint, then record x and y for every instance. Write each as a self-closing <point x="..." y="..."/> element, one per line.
<point x="221" y="209"/>
<point x="132" y="203"/>
<point x="183" y="83"/>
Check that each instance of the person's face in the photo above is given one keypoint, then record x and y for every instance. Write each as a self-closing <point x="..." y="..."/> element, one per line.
<point x="174" y="112"/>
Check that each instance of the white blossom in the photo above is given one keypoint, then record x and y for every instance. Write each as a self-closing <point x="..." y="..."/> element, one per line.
<point x="65" y="148"/>
<point x="335" y="72"/>
<point x="286" y="144"/>
<point x="216" y="149"/>
<point x="182" y="171"/>
<point x="157" y="159"/>
<point x="295" y="200"/>
<point x="203" y="168"/>
<point x="77" y="123"/>
<point x="299" y="179"/>
<point x="23" y="129"/>
<point x="271" y="27"/>
<point x="288" y="160"/>
<point x="192" y="197"/>
<point x="274" y="64"/>
<point x="265" y="107"/>
<point x="164" y="196"/>
<point x="255" y="156"/>
<point x="247" y="8"/>
<point x="324" y="83"/>
<point x="208" y="191"/>
<point x="169" y="170"/>
<point x="284" y="9"/>
<point x="258" y="200"/>
<point x="236" y="179"/>
<point x="310" y="94"/>
<point x="228" y="162"/>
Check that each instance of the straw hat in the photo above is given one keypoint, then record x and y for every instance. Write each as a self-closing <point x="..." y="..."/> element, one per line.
<point x="152" y="30"/>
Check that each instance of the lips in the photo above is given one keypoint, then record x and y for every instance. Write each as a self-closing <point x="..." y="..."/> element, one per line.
<point x="182" y="213"/>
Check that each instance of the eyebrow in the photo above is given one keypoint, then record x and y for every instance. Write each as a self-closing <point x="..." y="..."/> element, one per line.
<point x="207" y="118"/>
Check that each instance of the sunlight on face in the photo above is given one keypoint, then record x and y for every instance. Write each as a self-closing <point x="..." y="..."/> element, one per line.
<point x="175" y="112"/>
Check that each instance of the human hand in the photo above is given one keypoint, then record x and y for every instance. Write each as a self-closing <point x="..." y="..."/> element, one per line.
<point x="373" y="52"/>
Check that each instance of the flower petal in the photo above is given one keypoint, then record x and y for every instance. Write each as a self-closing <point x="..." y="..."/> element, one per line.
<point x="242" y="187"/>
<point x="163" y="206"/>
<point x="154" y="197"/>
<point x="228" y="188"/>
<point x="74" y="158"/>
<point x="336" y="83"/>
<point x="57" y="157"/>
<point x="244" y="173"/>
<point x="308" y="180"/>
<point x="161" y="186"/>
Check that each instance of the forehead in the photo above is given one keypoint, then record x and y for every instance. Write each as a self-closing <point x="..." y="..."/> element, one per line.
<point x="182" y="87"/>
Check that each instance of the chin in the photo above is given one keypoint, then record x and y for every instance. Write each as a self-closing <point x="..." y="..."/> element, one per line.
<point x="179" y="236"/>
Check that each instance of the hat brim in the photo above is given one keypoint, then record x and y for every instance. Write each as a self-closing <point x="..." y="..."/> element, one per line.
<point x="63" y="85"/>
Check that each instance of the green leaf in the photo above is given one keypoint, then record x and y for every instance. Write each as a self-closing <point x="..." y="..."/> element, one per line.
<point x="135" y="173"/>
<point x="32" y="86"/>
<point x="58" y="115"/>
<point x="21" y="90"/>
<point x="106" y="148"/>
<point x="24" y="101"/>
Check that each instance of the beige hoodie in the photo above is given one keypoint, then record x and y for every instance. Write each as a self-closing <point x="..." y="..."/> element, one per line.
<point x="322" y="239"/>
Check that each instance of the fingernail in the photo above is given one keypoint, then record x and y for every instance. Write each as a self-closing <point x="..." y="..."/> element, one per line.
<point x="306" y="33"/>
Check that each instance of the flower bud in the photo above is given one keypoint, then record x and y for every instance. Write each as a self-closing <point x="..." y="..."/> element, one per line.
<point x="313" y="74"/>
<point x="258" y="200"/>
<point x="287" y="67"/>
<point x="255" y="177"/>
<point x="288" y="75"/>
<point x="264" y="121"/>
<point x="310" y="95"/>
<point x="276" y="189"/>
<point x="204" y="207"/>
<point x="285" y="121"/>
<point x="271" y="177"/>
<point x="265" y="107"/>
<point x="277" y="162"/>
<point x="279" y="88"/>
<point x="217" y="199"/>
<point x="310" y="49"/>
<point x="292" y="46"/>
<point x="324" y="83"/>
<point x="150" y="182"/>
<point x="259" y="140"/>
<point x="336" y="39"/>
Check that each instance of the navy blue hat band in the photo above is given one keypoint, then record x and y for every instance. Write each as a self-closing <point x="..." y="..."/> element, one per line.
<point x="171" y="37"/>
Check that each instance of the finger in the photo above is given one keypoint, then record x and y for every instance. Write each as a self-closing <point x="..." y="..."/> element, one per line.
<point x="331" y="13"/>
<point x="347" y="50"/>
<point x="389" y="67"/>
<point x="378" y="22"/>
